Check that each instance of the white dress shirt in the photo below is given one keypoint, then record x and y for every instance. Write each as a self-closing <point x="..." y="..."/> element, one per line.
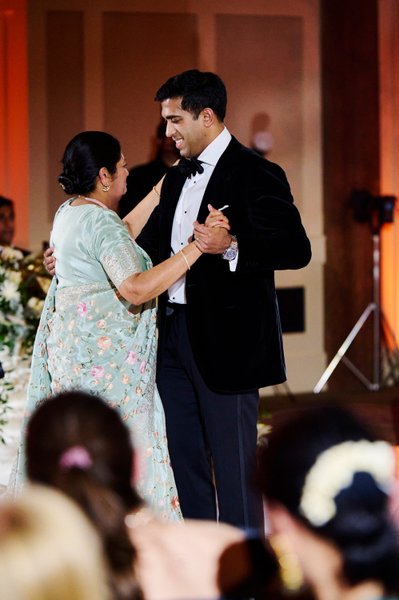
<point x="189" y="203"/>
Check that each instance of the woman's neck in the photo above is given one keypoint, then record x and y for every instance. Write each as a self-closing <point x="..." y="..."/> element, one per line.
<point x="99" y="197"/>
<point x="96" y="198"/>
<point x="333" y="590"/>
<point x="327" y="580"/>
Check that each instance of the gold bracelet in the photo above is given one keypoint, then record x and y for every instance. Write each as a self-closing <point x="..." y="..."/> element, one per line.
<point x="185" y="259"/>
<point x="156" y="191"/>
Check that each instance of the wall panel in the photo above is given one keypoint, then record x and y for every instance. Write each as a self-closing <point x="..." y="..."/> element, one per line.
<point x="150" y="48"/>
<point x="65" y="101"/>
<point x="260" y="59"/>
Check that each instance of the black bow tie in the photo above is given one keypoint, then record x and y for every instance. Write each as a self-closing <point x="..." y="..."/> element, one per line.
<point x="190" y="166"/>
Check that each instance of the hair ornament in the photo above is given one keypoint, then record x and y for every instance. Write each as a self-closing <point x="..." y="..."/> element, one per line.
<point x="75" y="457"/>
<point x="62" y="185"/>
<point x="333" y="471"/>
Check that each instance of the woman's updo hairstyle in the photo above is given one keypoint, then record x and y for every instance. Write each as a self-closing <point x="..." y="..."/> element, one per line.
<point x="356" y="516"/>
<point x="83" y="158"/>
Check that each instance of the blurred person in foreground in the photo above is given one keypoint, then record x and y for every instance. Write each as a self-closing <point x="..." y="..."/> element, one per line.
<point x="328" y="483"/>
<point x="80" y="445"/>
<point x="49" y="550"/>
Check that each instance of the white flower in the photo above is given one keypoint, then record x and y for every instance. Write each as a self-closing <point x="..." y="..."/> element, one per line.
<point x="10" y="291"/>
<point x="11" y="254"/>
<point x="15" y="277"/>
<point x="333" y="471"/>
<point x="35" y="305"/>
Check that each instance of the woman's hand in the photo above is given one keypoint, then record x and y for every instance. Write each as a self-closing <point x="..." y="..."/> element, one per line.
<point x="49" y="261"/>
<point x="216" y="218"/>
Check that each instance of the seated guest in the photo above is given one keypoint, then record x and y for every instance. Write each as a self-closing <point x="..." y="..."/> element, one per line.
<point x="49" y="550"/>
<point x="80" y="445"/>
<point x="327" y="483"/>
<point x="7" y="224"/>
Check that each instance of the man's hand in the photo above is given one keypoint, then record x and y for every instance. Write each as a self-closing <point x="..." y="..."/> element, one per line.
<point x="216" y="218"/>
<point x="211" y="240"/>
<point x="49" y="261"/>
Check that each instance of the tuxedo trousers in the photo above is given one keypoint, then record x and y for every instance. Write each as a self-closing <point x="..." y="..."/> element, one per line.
<point x="211" y="436"/>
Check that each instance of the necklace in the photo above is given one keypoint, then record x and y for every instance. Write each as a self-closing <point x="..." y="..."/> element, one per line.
<point x="93" y="200"/>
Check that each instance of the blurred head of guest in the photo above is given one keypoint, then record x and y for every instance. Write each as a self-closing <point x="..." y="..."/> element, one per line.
<point x="327" y="481"/>
<point x="166" y="151"/>
<point x="48" y="549"/>
<point x="7" y="221"/>
<point x="79" y="445"/>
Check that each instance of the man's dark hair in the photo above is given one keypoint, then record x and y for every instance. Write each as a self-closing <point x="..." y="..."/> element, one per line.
<point x="6" y="202"/>
<point x="198" y="90"/>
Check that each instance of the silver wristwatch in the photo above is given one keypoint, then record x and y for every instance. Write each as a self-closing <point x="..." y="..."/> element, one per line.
<point x="231" y="252"/>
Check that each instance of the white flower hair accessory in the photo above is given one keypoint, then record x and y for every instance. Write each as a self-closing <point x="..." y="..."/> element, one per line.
<point x="333" y="471"/>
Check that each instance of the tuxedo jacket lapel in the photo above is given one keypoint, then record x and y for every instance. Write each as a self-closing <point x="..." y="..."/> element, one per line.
<point x="170" y="197"/>
<point x="219" y="181"/>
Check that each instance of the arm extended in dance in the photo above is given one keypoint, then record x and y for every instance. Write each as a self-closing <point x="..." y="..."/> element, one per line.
<point x="139" y="215"/>
<point x="141" y="287"/>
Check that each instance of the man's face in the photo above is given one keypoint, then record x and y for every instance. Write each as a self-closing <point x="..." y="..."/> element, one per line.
<point x="7" y="225"/>
<point x="188" y="133"/>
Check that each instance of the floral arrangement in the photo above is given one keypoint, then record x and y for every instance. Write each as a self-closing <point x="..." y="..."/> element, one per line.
<point x="23" y="287"/>
<point x="333" y="471"/>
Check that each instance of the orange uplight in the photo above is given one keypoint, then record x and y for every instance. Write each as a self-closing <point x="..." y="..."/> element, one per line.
<point x="14" y="137"/>
<point x="390" y="281"/>
<point x="396" y="451"/>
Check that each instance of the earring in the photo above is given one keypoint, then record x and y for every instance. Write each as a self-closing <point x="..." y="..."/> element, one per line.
<point x="290" y="570"/>
<point x="106" y="188"/>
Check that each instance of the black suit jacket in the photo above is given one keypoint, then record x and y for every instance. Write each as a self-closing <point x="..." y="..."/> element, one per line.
<point x="232" y="317"/>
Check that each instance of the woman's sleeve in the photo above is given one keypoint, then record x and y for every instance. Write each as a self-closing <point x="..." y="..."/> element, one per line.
<point x="114" y="248"/>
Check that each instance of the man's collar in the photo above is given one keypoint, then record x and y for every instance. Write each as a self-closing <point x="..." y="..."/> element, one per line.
<point x="215" y="149"/>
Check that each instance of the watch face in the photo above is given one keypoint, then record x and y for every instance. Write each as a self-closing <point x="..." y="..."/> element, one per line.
<point x="230" y="254"/>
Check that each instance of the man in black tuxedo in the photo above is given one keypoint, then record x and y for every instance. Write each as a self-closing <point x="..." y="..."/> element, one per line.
<point x="219" y="327"/>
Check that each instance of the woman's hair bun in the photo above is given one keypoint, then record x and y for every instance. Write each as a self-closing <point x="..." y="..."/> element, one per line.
<point x="67" y="184"/>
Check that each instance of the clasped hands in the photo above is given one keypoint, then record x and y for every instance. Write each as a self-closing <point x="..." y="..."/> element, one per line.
<point x="212" y="237"/>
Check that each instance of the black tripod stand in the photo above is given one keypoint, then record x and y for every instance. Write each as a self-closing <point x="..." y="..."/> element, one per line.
<point x="378" y="211"/>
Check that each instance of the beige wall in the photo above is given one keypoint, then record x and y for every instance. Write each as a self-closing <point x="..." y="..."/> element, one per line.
<point x="98" y="65"/>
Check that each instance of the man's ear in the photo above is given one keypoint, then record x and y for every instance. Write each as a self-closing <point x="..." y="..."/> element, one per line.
<point x="208" y="117"/>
